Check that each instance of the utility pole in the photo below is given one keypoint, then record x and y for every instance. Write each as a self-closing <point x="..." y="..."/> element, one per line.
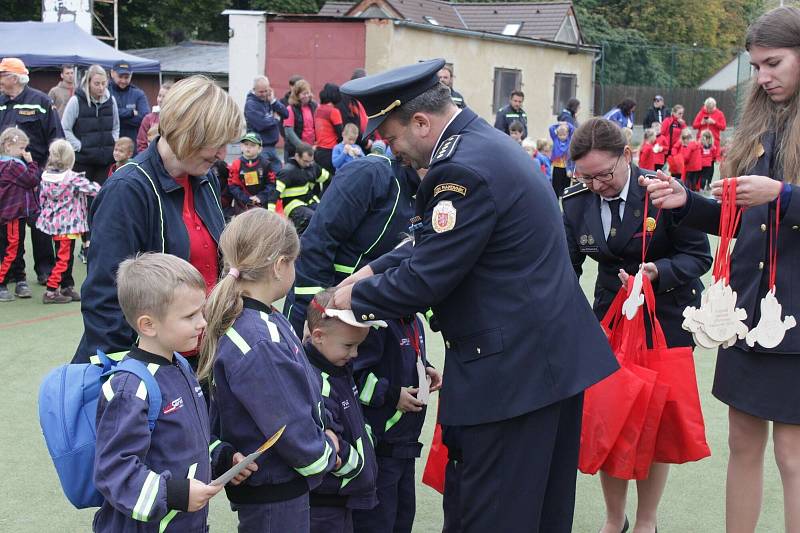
<point x="106" y="34"/>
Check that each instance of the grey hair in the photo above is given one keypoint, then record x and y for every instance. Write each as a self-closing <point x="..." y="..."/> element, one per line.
<point x="22" y="79"/>
<point x="435" y="100"/>
<point x="260" y="78"/>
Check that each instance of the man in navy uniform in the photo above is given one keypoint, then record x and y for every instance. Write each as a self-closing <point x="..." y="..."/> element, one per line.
<point x="512" y="112"/>
<point x="491" y="260"/>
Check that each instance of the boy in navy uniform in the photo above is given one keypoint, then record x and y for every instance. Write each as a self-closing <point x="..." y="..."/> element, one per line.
<point x="301" y="184"/>
<point x="491" y="259"/>
<point x="157" y="481"/>
<point x="332" y="345"/>
<point x="386" y="372"/>
<point x="251" y="181"/>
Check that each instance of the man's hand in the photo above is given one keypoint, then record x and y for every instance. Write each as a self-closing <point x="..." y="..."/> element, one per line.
<point x="436" y="378"/>
<point x="650" y="270"/>
<point x="408" y="401"/>
<point x="244" y="474"/>
<point x="334" y="438"/>
<point x="362" y="273"/>
<point x="200" y="493"/>
<point x="342" y="297"/>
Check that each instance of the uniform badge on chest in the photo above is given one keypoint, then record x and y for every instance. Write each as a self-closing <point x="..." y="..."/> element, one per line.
<point x="444" y="216"/>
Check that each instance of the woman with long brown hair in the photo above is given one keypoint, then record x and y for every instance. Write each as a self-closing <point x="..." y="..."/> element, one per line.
<point x="299" y="127"/>
<point x="760" y="385"/>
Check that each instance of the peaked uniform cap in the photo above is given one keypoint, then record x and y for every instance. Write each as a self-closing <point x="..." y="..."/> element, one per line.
<point x="382" y="93"/>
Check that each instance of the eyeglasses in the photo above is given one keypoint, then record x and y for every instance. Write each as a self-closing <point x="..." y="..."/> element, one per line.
<point x="602" y="178"/>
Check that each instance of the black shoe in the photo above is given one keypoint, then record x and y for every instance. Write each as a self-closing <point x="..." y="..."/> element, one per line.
<point x="626" y="525"/>
<point x="22" y="290"/>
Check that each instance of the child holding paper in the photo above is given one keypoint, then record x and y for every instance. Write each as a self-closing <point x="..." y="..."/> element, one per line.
<point x="331" y="346"/>
<point x="392" y="372"/>
<point x="261" y="377"/>
<point x="159" y="478"/>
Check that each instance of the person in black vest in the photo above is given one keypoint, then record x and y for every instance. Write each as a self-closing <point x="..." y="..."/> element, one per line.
<point x="446" y="76"/>
<point x="91" y="125"/>
<point x="299" y="127"/>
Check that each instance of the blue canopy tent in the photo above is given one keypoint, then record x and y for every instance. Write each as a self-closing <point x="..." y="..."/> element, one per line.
<point x="51" y="44"/>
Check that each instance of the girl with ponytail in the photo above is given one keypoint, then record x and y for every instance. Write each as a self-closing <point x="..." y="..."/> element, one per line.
<point x="261" y="379"/>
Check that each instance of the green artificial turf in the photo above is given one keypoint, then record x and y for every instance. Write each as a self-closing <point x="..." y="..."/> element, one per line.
<point x="35" y="338"/>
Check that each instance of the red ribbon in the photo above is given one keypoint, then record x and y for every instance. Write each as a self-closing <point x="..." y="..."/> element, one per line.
<point x="728" y="222"/>
<point x="413" y="336"/>
<point x="773" y="246"/>
<point x="645" y="243"/>
<point x="318" y="307"/>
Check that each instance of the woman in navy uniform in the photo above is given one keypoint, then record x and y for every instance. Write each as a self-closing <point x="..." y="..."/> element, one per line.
<point x="603" y="218"/>
<point x="759" y="384"/>
<point x="490" y="258"/>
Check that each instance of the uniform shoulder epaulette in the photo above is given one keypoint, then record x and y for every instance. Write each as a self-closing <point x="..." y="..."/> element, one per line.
<point x="447" y="149"/>
<point x="575" y="189"/>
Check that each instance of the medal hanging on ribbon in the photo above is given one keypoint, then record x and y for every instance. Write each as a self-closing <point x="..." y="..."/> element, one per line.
<point x="718" y="321"/>
<point x="424" y="387"/>
<point x="771" y="329"/>
<point x="635" y="297"/>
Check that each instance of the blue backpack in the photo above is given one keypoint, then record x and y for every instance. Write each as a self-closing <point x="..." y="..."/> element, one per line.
<point x="67" y="413"/>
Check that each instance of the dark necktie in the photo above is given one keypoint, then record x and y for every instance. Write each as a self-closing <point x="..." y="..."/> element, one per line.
<point x="614" y="241"/>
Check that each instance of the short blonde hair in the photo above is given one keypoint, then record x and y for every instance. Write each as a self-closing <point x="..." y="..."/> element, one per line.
<point x="61" y="157"/>
<point x="710" y="102"/>
<point x="527" y="142"/>
<point x="562" y="128"/>
<point x="146" y="284"/>
<point x="544" y="144"/>
<point x="628" y="133"/>
<point x="686" y="133"/>
<point x="649" y="134"/>
<point x="706" y="135"/>
<point x="12" y="136"/>
<point x="350" y="129"/>
<point x="196" y="114"/>
<point x="127" y="142"/>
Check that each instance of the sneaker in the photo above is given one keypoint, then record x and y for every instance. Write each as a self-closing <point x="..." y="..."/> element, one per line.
<point x="72" y="293"/>
<point x="22" y="290"/>
<point x="55" y="297"/>
<point x="5" y="294"/>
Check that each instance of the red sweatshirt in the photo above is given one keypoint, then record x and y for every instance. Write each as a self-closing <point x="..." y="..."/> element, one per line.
<point x="709" y="155"/>
<point x="719" y="123"/>
<point x="647" y="157"/>
<point x="691" y="156"/>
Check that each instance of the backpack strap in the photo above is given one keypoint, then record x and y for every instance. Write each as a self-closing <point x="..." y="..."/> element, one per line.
<point x="139" y="370"/>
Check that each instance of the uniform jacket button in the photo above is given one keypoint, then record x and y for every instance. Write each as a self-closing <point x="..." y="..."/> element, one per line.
<point x="763" y="227"/>
<point x="363" y="317"/>
<point x="694" y="291"/>
<point x="372" y="316"/>
<point x="478" y="350"/>
<point x="761" y="265"/>
<point x="447" y="344"/>
<point x="795" y="228"/>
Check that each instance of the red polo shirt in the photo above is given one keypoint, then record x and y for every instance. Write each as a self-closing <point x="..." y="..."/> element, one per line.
<point x="202" y="247"/>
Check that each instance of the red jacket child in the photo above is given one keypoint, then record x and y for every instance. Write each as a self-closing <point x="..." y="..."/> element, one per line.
<point x="708" y="155"/>
<point x="691" y="156"/>
<point x="714" y="121"/>
<point x="647" y="157"/>
<point x="660" y="150"/>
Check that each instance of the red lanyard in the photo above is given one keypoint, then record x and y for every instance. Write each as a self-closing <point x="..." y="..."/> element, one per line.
<point x="413" y="336"/>
<point x="728" y="222"/>
<point x="773" y="246"/>
<point x="645" y="243"/>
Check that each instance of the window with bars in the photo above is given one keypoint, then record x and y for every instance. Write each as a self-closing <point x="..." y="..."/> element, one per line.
<point x="564" y="88"/>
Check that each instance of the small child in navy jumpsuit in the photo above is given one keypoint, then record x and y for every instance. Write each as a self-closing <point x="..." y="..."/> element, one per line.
<point x="157" y="482"/>
<point x="386" y="371"/>
<point x="331" y="346"/>
<point x="261" y="377"/>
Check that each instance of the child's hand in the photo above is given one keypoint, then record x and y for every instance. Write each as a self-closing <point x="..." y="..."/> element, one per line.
<point x="436" y="378"/>
<point x="255" y="200"/>
<point x="26" y="155"/>
<point x="334" y="438"/>
<point x="408" y="401"/>
<point x="244" y="474"/>
<point x="200" y="493"/>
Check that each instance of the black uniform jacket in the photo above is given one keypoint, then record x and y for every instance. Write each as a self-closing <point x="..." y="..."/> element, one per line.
<point x="680" y="253"/>
<point x="491" y="259"/>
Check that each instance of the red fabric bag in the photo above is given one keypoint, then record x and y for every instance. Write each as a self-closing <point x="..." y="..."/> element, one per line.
<point x="608" y="404"/>
<point x="681" y="435"/>
<point x="434" y="472"/>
